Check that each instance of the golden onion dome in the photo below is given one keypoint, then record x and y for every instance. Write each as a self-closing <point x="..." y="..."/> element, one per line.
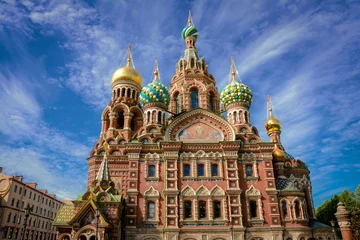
<point x="278" y="154"/>
<point x="272" y="124"/>
<point x="127" y="73"/>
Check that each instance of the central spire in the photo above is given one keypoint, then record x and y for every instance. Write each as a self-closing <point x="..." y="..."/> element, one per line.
<point x="190" y="22"/>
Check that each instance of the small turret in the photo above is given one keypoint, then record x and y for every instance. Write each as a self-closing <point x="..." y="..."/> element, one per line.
<point x="272" y="125"/>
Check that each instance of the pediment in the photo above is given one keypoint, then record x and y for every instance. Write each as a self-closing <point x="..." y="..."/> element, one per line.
<point x="199" y="125"/>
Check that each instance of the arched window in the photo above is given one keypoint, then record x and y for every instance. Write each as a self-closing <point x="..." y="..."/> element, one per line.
<point x="151" y="171"/>
<point x="235" y="117"/>
<point x="211" y="102"/>
<point x="133" y="94"/>
<point x="187" y="209"/>
<point x="217" y="209"/>
<point x="246" y="117"/>
<point x="253" y="209"/>
<point x="123" y="92"/>
<point x="186" y="170"/>
<point x="120" y="120"/>
<point x="249" y="171"/>
<point x="297" y="209"/>
<point x="151" y="210"/>
<point x="284" y="208"/>
<point x="201" y="170"/>
<point x="159" y="117"/>
<point x="128" y="92"/>
<point x="194" y="99"/>
<point x="214" y="170"/>
<point x="202" y="209"/>
<point x="148" y="117"/>
<point x="178" y="103"/>
<point x="192" y="63"/>
<point x="163" y="118"/>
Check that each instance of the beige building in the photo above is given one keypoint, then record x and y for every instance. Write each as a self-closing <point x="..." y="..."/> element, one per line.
<point x="15" y="196"/>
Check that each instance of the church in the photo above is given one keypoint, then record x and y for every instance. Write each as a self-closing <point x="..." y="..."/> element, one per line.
<point x="169" y="165"/>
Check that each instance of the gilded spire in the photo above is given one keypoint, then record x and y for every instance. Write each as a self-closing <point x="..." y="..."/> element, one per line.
<point x="129" y="59"/>
<point x="156" y="71"/>
<point x="233" y="73"/>
<point x="190" y="22"/>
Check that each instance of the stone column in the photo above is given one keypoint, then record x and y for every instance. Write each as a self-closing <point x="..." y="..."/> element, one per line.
<point x="343" y="219"/>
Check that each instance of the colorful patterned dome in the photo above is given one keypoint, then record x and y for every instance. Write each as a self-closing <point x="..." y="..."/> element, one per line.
<point x="189" y="31"/>
<point x="155" y="92"/>
<point x="235" y="92"/>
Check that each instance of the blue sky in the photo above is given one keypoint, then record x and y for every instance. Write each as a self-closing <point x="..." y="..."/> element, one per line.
<point x="57" y="57"/>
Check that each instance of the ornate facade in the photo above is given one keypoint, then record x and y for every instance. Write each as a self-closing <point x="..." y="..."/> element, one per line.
<point x="169" y="165"/>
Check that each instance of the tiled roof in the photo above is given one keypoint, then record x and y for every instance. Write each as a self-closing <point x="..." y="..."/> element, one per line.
<point x="65" y="214"/>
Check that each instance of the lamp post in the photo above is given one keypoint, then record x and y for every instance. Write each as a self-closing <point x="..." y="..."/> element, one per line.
<point x="28" y="210"/>
<point x="97" y="212"/>
<point x="332" y="222"/>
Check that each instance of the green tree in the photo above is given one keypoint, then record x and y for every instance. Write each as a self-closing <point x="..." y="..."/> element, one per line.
<point x="325" y="212"/>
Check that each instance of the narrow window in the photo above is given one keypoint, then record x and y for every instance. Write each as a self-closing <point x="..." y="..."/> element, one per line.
<point x="128" y="92"/>
<point x="178" y="103"/>
<point x="120" y="120"/>
<point x="249" y="171"/>
<point x="20" y="190"/>
<point x="187" y="209"/>
<point x="25" y="192"/>
<point x="211" y="102"/>
<point x="194" y="99"/>
<point x="14" y="218"/>
<point x="118" y="92"/>
<point x="159" y="117"/>
<point x="297" y="209"/>
<point x="15" y="188"/>
<point x="235" y="117"/>
<point x="246" y="117"/>
<point x="12" y="202"/>
<point x="123" y="92"/>
<point x="187" y="170"/>
<point x="202" y="209"/>
<point x="9" y="217"/>
<point x="201" y="171"/>
<point x="148" y="117"/>
<point x="192" y="63"/>
<point x="214" y="170"/>
<point x="151" y="210"/>
<point x="284" y="208"/>
<point x="217" y="209"/>
<point x="253" y="209"/>
<point x="133" y="94"/>
<point x="151" y="171"/>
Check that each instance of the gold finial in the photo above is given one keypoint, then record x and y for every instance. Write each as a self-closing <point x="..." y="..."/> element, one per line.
<point x="129" y="55"/>
<point x="190" y="22"/>
<point x="156" y="72"/>
<point x="232" y="65"/>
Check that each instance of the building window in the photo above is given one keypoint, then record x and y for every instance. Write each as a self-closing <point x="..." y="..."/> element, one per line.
<point x="202" y="209"/>
<point x="284" y="208"/>
<point x="9" y="217"/>
<point x="214" y="170"/>
<point x="201" y="170"/>
<point x="188" y="209"/>
<point x="297" y="209"/>
<point x="14" y="218"/>
<point x="178" y="103"/>
<point x="120" y="121"/>
<point x="211" y="102"/>
<point x="151" y="171"/>
<point x="253" y="209"/>
<point x="24" y="192"/>
<point x="186" y="170"/>
<point x="15" y="188"/>
<point x="12" y="202"/>
<point x="20" y="190"/>
<point x="249" y="171"/>
<point x="217" y="209"/>
<point x="194" y="99"/>
<point x="30" y="194"/>
<point x="151" y="210"/>
<point x="159" y="117"/>
<point x="192" y="63"/>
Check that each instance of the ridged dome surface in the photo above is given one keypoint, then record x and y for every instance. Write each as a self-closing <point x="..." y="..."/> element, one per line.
<point x="189" y="31"/>
<point x="127" y="73"/>
<point x="155" y="92"/>
<point x="236" y="92"/>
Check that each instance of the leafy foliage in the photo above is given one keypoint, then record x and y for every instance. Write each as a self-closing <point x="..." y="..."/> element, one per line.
<point x="326" y="212"/>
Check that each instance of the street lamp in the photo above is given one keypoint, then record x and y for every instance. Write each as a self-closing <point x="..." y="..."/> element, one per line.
<point x="332" y="222"/>
<point x="28" y="210"/>
<point x="97" y="212"/>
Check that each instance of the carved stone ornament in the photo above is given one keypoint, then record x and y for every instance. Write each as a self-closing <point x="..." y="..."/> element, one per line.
<point x="252" y="191"/>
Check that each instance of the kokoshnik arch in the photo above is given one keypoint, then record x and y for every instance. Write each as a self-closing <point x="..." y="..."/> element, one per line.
<point x="192" y="173"/>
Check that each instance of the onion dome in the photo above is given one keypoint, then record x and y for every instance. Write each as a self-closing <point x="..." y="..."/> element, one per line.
<point x="235" y="91"/>
<point x="272" y="124"/>
<point x="189" y="30"/>
<point x="127" y="73"/>
<point x="278" y="154"/>
<point x="155" y="91"/>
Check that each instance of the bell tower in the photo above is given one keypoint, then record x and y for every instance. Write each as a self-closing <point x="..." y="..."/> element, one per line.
<point x="192" y="86"/>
